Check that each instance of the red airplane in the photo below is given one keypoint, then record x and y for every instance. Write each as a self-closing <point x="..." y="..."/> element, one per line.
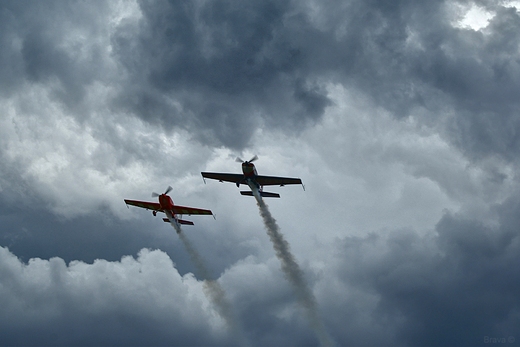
<point x="167" y="206"/>
<point x="252" y="179"/>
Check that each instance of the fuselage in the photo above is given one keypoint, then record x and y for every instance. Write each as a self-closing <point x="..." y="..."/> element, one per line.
<point x="173" y="221"/>
<point x="249" y="169"/>
<point x="167" y="206"/>
<point x="166" y="202"/>
<point x="250" y="173"/>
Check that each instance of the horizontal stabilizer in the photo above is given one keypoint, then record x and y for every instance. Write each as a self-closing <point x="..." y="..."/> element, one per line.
<point x="180" y="221"/>
<point x="264" y="194"/>
<point x="187" y="222"/>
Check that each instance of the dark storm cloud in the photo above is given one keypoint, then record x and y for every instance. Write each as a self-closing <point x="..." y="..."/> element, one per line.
<point x="58" y="45"/>
<point x="11" y="66"/>
<point x="418" y="59"/>
<point x="453" y="287"/>
<point x="222" y="69"/>
<point x="228" y="64"/>
<point x="407" y="55"/>
<point x="477" y="73"/>
<point x="43" y="62"/>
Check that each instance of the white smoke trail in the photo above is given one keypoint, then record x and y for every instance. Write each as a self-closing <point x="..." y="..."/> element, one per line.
<point x="292" y="271"/>
<point x="212" y="288"/>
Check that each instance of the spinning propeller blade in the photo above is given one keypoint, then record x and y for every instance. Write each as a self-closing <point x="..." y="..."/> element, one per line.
<point x="240" y="160"/>
<point x="169" y="189"/>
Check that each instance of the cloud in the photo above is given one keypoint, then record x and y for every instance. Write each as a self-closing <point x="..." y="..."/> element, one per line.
<point x="222" y="71"/>
<point x="448" y="280"/>
<point x="53" y="45"/>
<point x="400" y="121"/>
<point x="49" y="302"/>
<point x="219" y="69"/>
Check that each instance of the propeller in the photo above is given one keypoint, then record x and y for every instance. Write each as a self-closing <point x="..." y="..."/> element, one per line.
<point x="239" y="160"/>
<point x="169" y="189"/>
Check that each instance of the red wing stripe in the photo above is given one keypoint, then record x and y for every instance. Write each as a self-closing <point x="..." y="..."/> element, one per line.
<point x="190" y="210"/>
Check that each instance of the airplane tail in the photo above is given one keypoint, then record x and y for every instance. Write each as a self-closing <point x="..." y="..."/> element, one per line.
<point x="264" y="194"/>
<point x="180" y="221"/>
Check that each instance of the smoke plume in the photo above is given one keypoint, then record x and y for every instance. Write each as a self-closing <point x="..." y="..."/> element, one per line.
<point x="212" y="288"/>
<point x="292" y="271"/>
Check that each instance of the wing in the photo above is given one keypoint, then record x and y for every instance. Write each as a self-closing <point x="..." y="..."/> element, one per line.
<point x="190" y="210"/>
<point x="144" y="204"/>
<point x="275" y="181"/>
<point x="228" y="177"/>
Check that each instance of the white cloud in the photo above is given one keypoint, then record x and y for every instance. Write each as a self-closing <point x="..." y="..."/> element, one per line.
<point x="53" y="297"/>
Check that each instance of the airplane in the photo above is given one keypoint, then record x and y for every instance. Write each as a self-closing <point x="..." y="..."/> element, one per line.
<point x="251" y="178"/>
<point x="167" y="206"/>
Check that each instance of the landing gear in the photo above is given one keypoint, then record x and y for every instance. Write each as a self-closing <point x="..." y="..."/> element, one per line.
<point x="154" y="213"/>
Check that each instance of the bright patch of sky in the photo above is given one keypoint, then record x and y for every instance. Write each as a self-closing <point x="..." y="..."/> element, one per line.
<point x="477" y="17"/>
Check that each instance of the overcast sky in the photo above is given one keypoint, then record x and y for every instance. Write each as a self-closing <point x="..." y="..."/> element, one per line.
<point x="402" y="118"/>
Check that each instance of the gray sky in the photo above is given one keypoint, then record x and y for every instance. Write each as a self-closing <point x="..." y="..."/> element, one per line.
<point x="401" y="118"/>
